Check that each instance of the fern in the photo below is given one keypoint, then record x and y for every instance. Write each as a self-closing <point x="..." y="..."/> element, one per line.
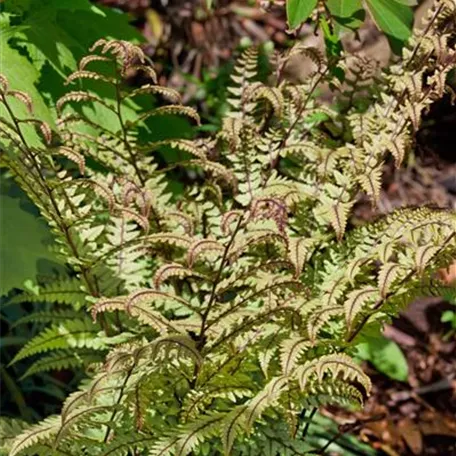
<point x="67" y="334"/>
<point x="63" y="360"/>
<point x="9" y="429"/>
<point x="240" y="301"/>
<point x="66" y="291"/>
<point x="35" y="434"/>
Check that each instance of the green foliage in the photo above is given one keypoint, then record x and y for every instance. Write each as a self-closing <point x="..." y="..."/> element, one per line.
<point x="19" y="387"/>
<point x="393" y="17"/>
<point x="347" y="14"/>
<point x="449" y="316"/>
<point x="299" y="10"/>
<point x="236" y="306"/>
<point x="42" y="41"/>
<point x="9" y="429"/>
<point x="22" y="244"/>
<point x="386" y="356"/>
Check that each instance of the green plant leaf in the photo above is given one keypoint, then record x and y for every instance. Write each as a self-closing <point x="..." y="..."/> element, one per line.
<point x="332" y="41"/>
<point x="394" y="19"/>
<point x="386" y="356"/>
<point x="50" y="37"/>
<point x="347" y="14"/>
<point x="20" y="73"/>
<point x="59" y="32"/>
<point x="298" y="11"/>
<point x="22" y="244"/>
<point x="408" y="2"/>
<point x="449" y="317"/>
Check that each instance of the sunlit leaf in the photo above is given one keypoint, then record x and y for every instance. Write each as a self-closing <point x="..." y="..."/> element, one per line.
<point x="298" y="11"/>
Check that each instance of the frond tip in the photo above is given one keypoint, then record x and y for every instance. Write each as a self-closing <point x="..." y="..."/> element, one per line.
<point x="337" y="365"/>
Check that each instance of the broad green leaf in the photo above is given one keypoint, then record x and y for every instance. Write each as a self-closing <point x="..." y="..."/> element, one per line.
<point x="298" y="11"/>
<point x="347" y="14"/>
<point x="60" y="32"/>
<point x="21" y="74"/>
<point x="394" y="19"/>
<point x="21" y="6"/>
<point x="386" y="356"/>
<point x="22" y="244"/>
<point x="408" y="2"/>
<point x="50" y="37"/>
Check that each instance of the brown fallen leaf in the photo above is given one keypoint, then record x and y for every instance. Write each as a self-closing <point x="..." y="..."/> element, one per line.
<point x="437" y="424"/>
<point x="383" y="430"/>
<point x="411" y="434"/>
<point x="448" y="275"/>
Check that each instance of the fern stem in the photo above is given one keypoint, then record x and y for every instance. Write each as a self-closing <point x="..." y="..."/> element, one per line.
<point x="15" y="121"/>
<point x="124" y="130"/>
<point x="424" y="33"/>
<point x="345" y="429"/>
<point x="216" y="282"/>
<point x="398" y="100"/>
<point x="301" y="111"/>
<point x="128" y="145"/>
<point x="309" y="421"/>
<point x="121" y="392"/>
<point x="244" y="301"/>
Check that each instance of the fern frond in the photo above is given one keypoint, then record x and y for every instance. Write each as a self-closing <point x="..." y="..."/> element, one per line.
<point x="85" y="74"/>
<point x="143" y="305"/>
<point x="10" y="428"/>
<point x="319" y="318"/>
<point x="23" y="97"/>
<point x="35" y="434"/>
<point x="68" y="334"/>
<point x="356" y="300"/>
<point x="371" y="180"/>
<point x="65" y="291"/>
<point x="62" y="360"/>
<point x="334" y="365"/>
<point x="175" y="110"/>
<point x="299" y="250"/>
<point x="169" y="94"/>
<point x="203" y="247"/>
<point x="238" y="299"/>
<point x="188" y="436"/>
<point x="80" y="96"/>
<point x="44" y="316"/>
<point x="386" y="276"/>
<point x="123" y="445"/>
<point x="290" y="351"/>
<point x="267" y="397"/>
<point x="231" y="427"/>
<point x="168" y="271"/>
